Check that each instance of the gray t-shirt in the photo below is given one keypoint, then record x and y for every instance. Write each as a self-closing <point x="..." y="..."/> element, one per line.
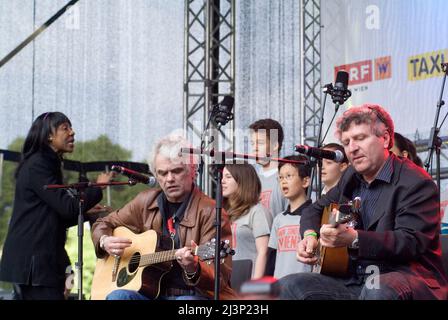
<point x="271" y="195"/>
<point x="256" y="223"/>
<point x="285" y="235"/>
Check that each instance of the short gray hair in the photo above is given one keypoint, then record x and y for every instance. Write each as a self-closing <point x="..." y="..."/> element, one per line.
<point x="170" y="147"/>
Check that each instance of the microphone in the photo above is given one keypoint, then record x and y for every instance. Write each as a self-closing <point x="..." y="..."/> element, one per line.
<point x="318" y="153"/>
<point x="134" y="175"/>
<point x="222" y="112"/>
<point x="339" y="93"/>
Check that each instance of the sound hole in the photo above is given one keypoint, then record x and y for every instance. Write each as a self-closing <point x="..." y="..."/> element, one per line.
<point x="134" y="262"/>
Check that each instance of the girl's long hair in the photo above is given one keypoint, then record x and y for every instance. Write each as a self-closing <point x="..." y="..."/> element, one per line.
<point x="248" y="192"/>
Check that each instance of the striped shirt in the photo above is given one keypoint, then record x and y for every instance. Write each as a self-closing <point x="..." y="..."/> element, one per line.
<point x="370" y="193"/>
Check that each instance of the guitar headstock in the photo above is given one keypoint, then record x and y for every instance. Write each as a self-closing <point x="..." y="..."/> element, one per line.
<point x="206" y="252"/>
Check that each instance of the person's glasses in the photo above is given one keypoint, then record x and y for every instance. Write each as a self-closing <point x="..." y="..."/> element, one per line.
<point x="288" y="177"/>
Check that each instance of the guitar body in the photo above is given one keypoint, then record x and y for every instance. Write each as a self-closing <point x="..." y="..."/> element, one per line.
<point x="128" y="275"/>
<point x="331" y="261"/>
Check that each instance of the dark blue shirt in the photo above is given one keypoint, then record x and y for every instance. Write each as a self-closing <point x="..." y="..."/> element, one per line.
<point x="370" y="193"/>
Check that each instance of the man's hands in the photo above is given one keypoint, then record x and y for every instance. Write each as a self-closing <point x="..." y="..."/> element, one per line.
<point x="340" y="236"/>
<point x="186" y="259"/>
<point x="306" y="249"/>
<point x="115" y="245"/>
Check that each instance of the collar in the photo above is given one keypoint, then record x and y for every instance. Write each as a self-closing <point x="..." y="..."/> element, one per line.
<point x="385" y="173"/>
<point x="298" y="211"/>
<point x="162" y="202"/>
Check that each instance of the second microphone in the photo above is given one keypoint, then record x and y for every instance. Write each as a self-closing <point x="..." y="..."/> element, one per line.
<point x="136" y="176"/>
<point x="319" y="153"/>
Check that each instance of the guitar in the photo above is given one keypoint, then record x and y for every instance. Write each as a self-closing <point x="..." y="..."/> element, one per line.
<point x="334" y="261"/>
<point x="143" y="264"/>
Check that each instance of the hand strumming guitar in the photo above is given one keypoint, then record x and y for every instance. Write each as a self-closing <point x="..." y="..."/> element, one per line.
<point x="114" y="246"/>
<point x="307" y="247"/>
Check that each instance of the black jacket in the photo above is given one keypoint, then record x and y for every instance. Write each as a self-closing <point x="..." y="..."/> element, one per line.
<point x="403" y="234"/>
<point x="34" y="252"/>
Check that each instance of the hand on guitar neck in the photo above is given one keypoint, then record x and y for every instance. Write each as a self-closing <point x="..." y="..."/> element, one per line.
<point x="337" y="235"/>
<point x="186" y="259"/>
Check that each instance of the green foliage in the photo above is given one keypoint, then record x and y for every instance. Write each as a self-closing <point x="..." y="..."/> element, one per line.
<point x="100" y="149"/>
<point x="89" y="258"/>
<point x="7" y="190"/>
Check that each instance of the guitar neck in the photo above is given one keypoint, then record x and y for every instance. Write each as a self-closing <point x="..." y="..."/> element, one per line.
<point x="159" y="257"/>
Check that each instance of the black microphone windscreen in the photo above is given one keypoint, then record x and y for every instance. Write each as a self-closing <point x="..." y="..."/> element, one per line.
<point x="341" y="80"/>
<point x="228" y="101"/>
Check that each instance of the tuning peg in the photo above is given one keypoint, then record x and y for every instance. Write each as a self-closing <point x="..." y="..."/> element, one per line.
<point x="222" y="261"/>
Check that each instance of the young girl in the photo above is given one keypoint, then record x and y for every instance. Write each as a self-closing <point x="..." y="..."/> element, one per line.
<point x="251" y="222"/>
<point x="34" y="258"/>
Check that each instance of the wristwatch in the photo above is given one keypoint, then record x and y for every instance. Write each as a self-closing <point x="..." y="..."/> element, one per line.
<point x="354" y="244"/>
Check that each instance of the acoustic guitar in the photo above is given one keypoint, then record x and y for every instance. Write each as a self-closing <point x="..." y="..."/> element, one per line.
<point x="334" y="261"/>
<point x="143" y="264"/>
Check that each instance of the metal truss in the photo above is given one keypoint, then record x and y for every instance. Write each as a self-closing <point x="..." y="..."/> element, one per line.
<point x="209" y="69"/>
<point x="310" y="70"/>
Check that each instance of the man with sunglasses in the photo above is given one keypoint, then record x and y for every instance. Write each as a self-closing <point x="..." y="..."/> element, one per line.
<point x="394" y="249"/>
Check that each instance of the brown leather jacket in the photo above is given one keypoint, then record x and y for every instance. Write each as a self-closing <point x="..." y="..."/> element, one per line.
<point x="143" y="213"/>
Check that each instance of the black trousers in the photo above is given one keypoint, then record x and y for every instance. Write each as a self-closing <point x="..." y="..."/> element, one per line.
<point x="26" y="292"/>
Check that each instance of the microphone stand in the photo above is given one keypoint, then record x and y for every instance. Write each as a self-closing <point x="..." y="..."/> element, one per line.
<point x="435" y="143"/>
<point x="218" y="176"/>
<point x="318" y="163"/>
<point x="328" y="88"/>
<point x="80" y="195"/>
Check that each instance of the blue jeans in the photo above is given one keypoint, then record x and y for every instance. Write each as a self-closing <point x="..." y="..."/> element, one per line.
<point x="134" y="295"/>
<point x="314" y="286"/>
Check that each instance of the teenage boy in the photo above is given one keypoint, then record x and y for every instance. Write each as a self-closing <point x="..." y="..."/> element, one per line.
<point x="266" y="140"/>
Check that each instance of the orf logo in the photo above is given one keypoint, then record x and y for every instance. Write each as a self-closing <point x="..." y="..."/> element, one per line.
<point x="359" y="72"/>
<point x="362" y="72"/>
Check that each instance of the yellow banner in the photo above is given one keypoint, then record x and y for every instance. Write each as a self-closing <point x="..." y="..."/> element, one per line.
<point x="426" y="65"/>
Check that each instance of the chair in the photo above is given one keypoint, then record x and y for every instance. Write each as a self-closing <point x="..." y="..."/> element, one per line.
<point x="241" y="272"/>
<point x="444" y="242"/>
